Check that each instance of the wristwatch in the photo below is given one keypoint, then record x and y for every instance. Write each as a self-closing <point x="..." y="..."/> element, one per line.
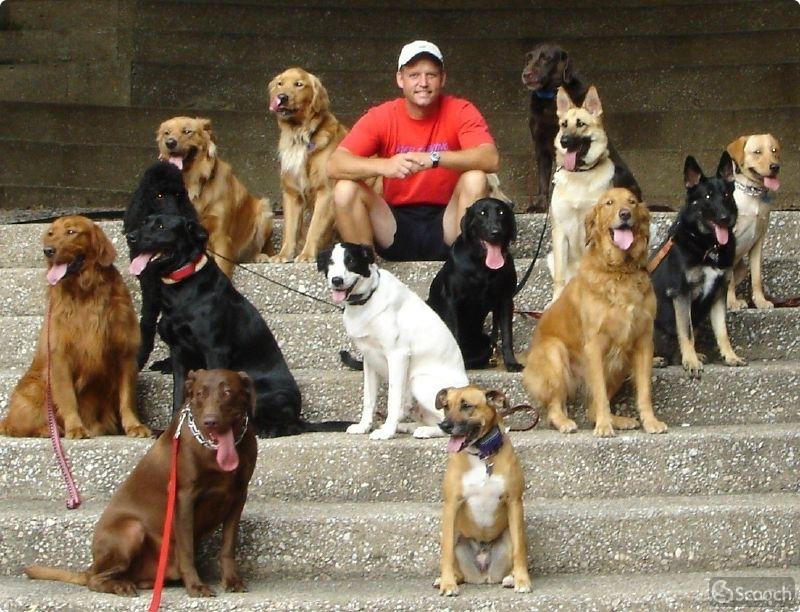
<point x="435" y="157"/>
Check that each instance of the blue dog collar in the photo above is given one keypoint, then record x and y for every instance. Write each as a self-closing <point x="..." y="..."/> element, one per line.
<point x="545" y="94"/>
<point x="489" y="444"/>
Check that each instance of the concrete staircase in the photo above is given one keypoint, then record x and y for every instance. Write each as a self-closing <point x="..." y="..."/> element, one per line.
<point x="338" y="522"/>
<point x="84" y="83"/>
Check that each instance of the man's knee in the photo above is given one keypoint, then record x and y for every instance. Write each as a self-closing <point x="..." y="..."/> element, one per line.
<point x="344" y="194"/>
<point x="473" y="184"/>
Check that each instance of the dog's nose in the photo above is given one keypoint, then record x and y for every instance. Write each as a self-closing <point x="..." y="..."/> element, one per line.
<point x="446" y="426"/>
<point x="337" y="281"/>
<point x="211" y="421"/>
<point x="171" y="143"/>
<point x="282" y="98"/>
<point x="49" y="251"/>
<point x="625" y="214"/>
<point x="131" y="237"/>
<point x="775" y="167"/>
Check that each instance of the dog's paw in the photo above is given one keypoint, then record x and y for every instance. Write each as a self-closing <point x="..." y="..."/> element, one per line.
<point x="280" y="258"/>
<point x="138" y="431"/>
<point x="382" y="433"/>
<point x="693" y="366"/>
<point x="428" y="431"/>
<point x="514" y="367"/>
<point x="447" y="587"/>
<point x="762" y="303"/>
<point x="660" y="362"/>
<point x="566" y="427"/>
<point x="234" y="584"/>
<point x="77" y="433"/>
<point x="621" y="422"/>
<point x="734" y="360"/>
<point x="358" y="428"/>
<point x="200" y="590"/>
<point x="508" y="581"/>
<point x="522" y="584"/>
<point x="654" y="426"/>
<point x="262" y="258"/>
<point x="305" y="257"/>
<point x="736" y="304"/>
<point x="604" y="430"/>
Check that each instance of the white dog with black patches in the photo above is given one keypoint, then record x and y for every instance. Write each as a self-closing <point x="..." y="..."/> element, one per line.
<point x="401" y="338"/>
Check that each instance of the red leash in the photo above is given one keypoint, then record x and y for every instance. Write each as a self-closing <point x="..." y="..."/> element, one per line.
<point x="74" y="498"/>
<point x="172" y="494"/>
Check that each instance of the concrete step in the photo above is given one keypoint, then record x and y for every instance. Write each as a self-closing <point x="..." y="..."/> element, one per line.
<point x="66" y="15"/>
<point x="567" y="592"/>
<point x="317" y="338"/>
<point x="376" y="539"/>
<point x="686" y="461"/>
<point x="511" y="22"/>
<point x="680" y="87"/>
<point x="762" y="392"/>
<point x="51" y="47"/>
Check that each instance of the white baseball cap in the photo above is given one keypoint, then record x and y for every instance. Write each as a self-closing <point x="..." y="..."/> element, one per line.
<point x="413" y="49"/>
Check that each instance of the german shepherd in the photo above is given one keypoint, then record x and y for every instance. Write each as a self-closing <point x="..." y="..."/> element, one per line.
<point x="692" y="268"/>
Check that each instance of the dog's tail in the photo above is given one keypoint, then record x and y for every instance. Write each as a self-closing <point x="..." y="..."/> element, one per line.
<point x="349" y="361"/>
<point x="494" y="188"/>
<point x="39" y="572"/>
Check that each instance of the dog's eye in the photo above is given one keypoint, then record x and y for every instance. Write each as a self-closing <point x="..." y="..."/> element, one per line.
<point x="299" y="84"/>
<point x="579" y="123"/>
<point x="160" y="226"/>
<point x="465" y="407"/>
<point x="70" y="232"/>
<point x="609" y="202"/>
<point x="774" y="150"/>
<point x="159" y="195"/>
<point x="483" y="212"/>
<point x="757" y="152"/>
<point x="187" y="131"/>
<point x="708" y="196"/>
<point x="500" y="212"/>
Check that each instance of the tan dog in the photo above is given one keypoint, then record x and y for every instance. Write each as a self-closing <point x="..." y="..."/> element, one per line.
<point x="483" y="523"/>
<point x="758" y="161"/>
<point x="309" y="134"/>
<point x="601" y="327"/>
<point x="94" y="340"/>
<point x="214" y="469"/>
<point x="239" y="225"/>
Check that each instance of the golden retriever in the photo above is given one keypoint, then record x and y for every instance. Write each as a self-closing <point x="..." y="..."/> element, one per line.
<point x="94" y="339"/>
<point x="601" y="327"/>
<point x="309" y="133"/>
<point x="239" y="225"/>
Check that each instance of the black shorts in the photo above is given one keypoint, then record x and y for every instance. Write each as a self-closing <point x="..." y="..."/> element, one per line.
<point x="419" y="235"/>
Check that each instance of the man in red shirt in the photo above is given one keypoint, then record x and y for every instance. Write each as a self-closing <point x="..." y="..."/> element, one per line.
<point x="433" y="153"/>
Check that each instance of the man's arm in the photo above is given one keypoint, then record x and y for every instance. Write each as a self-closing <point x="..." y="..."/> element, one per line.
<point x="343" y="164"/>
<point x="483" y="157"/>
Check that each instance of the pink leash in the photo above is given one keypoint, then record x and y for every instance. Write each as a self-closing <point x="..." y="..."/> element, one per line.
<point x="74" y="498"/>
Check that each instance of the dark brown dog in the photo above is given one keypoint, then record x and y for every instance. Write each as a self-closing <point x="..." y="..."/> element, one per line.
<point x="548" y="67"/>
<point x="212" y="489"/>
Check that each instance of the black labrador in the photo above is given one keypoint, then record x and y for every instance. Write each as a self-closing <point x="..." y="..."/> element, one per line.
<point x="477" y="278"/>
<point x="160" y="191"/>
<point x="692" y="268"/>
<point x="208" y="324"/>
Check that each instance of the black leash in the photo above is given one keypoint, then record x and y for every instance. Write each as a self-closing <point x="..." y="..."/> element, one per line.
<point x="274" y="282"/>
<point x="535" y="254"/>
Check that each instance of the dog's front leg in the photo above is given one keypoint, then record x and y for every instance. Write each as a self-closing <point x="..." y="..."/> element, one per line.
<point x="292" y="214"/>
<point x="519" y="579"/>
<point x="505" y="317"/>
<point x="63" y="394"/>
<point x="178" y="381"/>
<point x="599" y="409"/>
<point x="184" y="539"/>
<point x="131" y="424"/>
<point x="231" y="581"/>
<point x="642" y="375"/>
<point x="320" y="226"/>
<point x="370" y="400"/>
<point x="398" y="362"/>
<point x="683" y="325"/>
<point x="560" y="253"/>
<point x="720" y="327"/>
<point x="447" y="582"/>
<point x="755" y="275"/>
<point x="148" y="316"/>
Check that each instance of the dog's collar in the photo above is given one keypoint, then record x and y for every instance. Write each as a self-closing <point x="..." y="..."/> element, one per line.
<point x="489" y="444"/>
<point x="659" y="257"/>
<point x="545" y="94"/>
<point x="361" y="299"/>
<point x="582" y="169"/>
<point x="754" y="191"/>
<point x="188" y="417"/>
<point x="186" y="271"/>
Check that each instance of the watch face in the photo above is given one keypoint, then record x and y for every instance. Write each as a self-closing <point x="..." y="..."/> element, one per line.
<point x="435" y="159"/>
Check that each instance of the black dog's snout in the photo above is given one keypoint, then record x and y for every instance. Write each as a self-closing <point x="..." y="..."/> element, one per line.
<point x="446" y="426"/>
<point x="49" y="251"/>
<point x="337" y="281"/>
<point x="625" y="214"/>
<point x="775" y="167"/>
<point x="131" y="237"/>
<point x="171" y="143"/>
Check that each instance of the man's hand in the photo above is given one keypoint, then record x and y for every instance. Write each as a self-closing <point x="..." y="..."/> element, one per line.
<point x="404" y="165"/>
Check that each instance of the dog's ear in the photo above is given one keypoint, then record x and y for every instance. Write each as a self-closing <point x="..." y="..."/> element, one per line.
<point x="106" y="254"/>
<point x="726" y="168"/>
<point x="320" y="101"/>
<point x="498" y="401"/>
<point x="466" y="221"/>
<point x="512" y="220"/>
<point x="591" y="103"/>
<point x="250" y="389"/>
<point x="196" y="231"/>
<point x="323" y="257"/>
<point x="188" y="384"/>
<point x="736" y="150"/>
<point x="272" y="85"/>
<point x="566" y="74"/>
<point x="205" y="125"/>
<point x="563" y="102"/>
<point x="590" y="223"/>
<point x="441" y="399"/>
<point x="368" y="252"/>
<point x="692" y="172"/>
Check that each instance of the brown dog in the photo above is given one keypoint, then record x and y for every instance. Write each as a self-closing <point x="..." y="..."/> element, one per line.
<point x="214" y="470"/>
<point x="94" y="340"/>
<point x="758" y="161"/>
<point x="483" y="524"/>
<point x="601" y="326"/>
<point x="309" y="134"/>
<point x="239" y="225"/>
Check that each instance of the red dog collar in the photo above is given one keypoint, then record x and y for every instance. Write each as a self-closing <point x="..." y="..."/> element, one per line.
<point x="186" y="271"/>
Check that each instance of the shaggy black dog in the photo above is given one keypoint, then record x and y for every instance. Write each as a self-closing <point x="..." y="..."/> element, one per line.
<point x="693" y="267"/>
<point x="208" y="324"/>
<point x="160" y="191"/>
<point x="477" y="278"/>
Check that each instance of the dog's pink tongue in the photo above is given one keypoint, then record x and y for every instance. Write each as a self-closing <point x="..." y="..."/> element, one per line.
<point x="623" y="238"/>
<point x="455" y="443"/>
<point x="139" y="263"/>
<point x="274" y="104"/>
<point x="176" y="160"/>
<point x="227" y="458"/>
<point x="772" y="183"/>
<point x="338" y="295"/>
<point x="56" y="273"/>
<point x="571" y="160"/>
<point x="494" y="256"/>
<point x="721" y="232"/>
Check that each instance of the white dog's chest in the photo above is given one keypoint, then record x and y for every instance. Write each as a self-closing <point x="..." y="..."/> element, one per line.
<point x="751" y="222"/>
<point x="577" y="192"/>
<point x="702" y="280"/>
<point x="482" y="493"/>
<point x="293" y="163"/>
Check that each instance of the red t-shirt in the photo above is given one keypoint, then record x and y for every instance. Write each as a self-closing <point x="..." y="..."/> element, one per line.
<point x="387" y="129"/>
